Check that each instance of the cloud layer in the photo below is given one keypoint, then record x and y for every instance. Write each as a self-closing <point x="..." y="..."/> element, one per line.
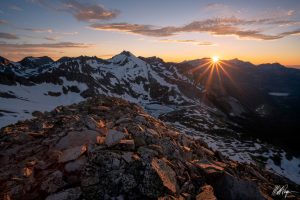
<point x="216" y="26"/>
<point x="38" y="30"/>
<point x="8" y="36"/>
<point x="16" y="51"/>
<point x="89" y="12"/>
<point x="195" y="42"/>
<point x="10" y="46"/>
<point x="2" y="21"/>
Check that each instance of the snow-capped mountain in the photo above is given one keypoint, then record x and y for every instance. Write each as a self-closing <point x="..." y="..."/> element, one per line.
<point x="70" y="80"/>
<point x="215" y="103"/>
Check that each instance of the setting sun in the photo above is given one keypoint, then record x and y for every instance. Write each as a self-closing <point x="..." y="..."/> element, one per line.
<point x="215" y="59"/>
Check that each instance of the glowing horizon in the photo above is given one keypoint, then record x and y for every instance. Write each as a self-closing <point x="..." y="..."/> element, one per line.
<point x="55" y="58"/>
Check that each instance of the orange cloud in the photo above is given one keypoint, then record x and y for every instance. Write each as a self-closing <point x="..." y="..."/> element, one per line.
<point x="217" y="26"/>
<point x="195" y="42"/>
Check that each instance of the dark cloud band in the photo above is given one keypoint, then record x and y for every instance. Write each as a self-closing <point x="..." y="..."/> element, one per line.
<point x="8" y="36"/>
<point x="44" y="45"/>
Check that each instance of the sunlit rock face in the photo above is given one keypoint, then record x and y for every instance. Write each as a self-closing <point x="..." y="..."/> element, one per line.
<point x="107" y="148"/>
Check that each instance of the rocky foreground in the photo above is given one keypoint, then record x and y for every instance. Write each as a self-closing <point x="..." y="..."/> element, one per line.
<point x="107" y="148"/>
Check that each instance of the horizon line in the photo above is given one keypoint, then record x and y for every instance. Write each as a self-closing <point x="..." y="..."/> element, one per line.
<point x="109" y="56"/>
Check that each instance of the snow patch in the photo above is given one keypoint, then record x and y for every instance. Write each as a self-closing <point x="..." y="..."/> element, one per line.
<point x="279" y="94"/>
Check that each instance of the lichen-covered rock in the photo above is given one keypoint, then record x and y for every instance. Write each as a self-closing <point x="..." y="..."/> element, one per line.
<point x="53" y="182"/>
<point x="151" y="185"/>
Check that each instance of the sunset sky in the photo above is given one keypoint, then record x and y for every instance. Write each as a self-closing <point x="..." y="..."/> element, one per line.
<point x="258" y="31"/>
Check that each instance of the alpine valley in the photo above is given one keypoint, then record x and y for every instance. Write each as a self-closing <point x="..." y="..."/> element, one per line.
<point x="250" y="113"/>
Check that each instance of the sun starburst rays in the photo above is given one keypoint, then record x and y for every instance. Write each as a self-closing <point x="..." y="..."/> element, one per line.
<point x="215" y="59"/>
<point x="212" y="74"/>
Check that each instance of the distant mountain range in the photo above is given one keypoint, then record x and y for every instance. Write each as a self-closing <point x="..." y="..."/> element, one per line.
<point x="232" y="97"/>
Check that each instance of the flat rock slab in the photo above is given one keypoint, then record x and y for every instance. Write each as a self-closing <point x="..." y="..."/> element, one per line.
<point x="72" y="154"/>
<point x="77" y="138"/>
<point x="166" y="174"/>
<point x="208" y="168"/>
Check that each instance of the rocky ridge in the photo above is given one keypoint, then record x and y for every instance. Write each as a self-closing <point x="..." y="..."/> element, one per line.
<point x="107" y="148"/>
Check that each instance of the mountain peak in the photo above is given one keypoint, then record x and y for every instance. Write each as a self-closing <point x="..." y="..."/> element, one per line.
<point x="124" y="57"/>
<point x="64" y="59"/>
<point x="31" y="61"/>
<point x="126" y="53"/>
<point x="195" y="62"/>
<point x="46" y="58"/>
<point x="271" y="67"/>
<point x="152" y="60"/>
<point x="4" y="61"/>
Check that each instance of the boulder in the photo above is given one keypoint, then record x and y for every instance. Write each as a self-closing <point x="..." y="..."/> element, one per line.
<point x="53" y="182"/>
<point x="126" y="145"/>
<point x="27" y="171"/>
<point x="151" y="185"/>
<point x="141" y="119"/>
<point x="123" y="120"/>
<point x="100" y="140"/>
<point x="69" y="194"/>
<point x="147" y="153"/>
<point x="152" y="132"/>
<point x="127" y="156"/>
<point x="103" y="108"/>
<point x="37" y="114"/>
<point x="76" y="165"/>
<point x="207" y="193"/>
<point x="90" y="123"/>
<point x="139" y="140"/>
<point x="113" y="137"/>
<point x="128" y="182"/>
<point x="230" y="187"/>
